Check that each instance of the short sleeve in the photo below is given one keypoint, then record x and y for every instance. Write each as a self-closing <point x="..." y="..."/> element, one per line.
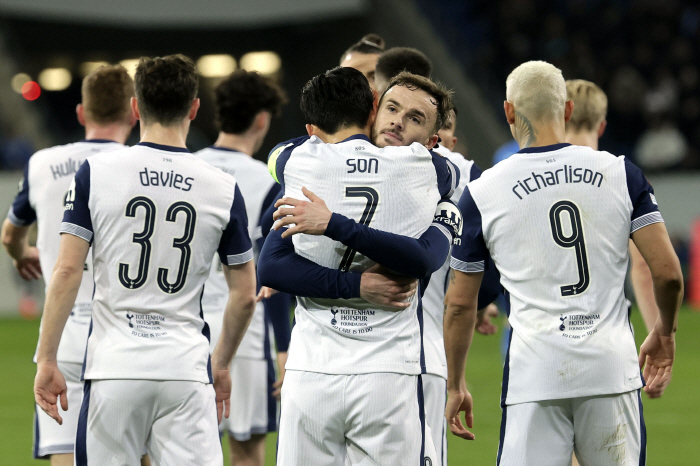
<point x="76" y="217"/>
<point x="447" y="175"/>
<point x="645" y="209"/>
<point x="21" y="212"/>
<point x="235" y="247"/>
<point x="469" y="254"/>
<point x="279" y="156"/>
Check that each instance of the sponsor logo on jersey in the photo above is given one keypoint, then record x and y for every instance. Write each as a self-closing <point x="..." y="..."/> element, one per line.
<point x="449" y="215"/>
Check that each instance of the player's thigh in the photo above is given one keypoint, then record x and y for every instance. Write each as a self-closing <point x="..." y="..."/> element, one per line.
<point x="609" y="430"/>
<point x="253" y="408"/>
<point x="115" y="420"/>
<point x="384" y="419"/>
<point x="50" y="438"/>
<point x="312" y="420"/>
<point x="435" y="395"/>
<point x="185" y="428"/>
<point x="539" y="433"/>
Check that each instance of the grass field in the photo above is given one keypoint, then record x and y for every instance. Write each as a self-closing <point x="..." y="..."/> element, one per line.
<point x="671" y="421"/>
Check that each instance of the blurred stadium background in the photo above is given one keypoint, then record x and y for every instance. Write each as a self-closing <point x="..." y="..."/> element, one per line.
<point x="644" y="54"/>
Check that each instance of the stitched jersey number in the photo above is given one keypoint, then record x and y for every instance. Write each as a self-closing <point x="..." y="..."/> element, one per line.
<point x="372" y="197"/>
<point x="143" y="239"/>
<point x="575" y="241"/>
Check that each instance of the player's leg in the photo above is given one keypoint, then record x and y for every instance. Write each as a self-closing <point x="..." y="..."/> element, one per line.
<point x="312" y="420"/>
<point x="249" y="452"/>
<point x="58" y="441"/>
<point x="185" y="428"/>
<point x="610" y="430"/>
<point x="115" y="419"/>
<point x="538" y="433"/>
<point x="435" y="394"/>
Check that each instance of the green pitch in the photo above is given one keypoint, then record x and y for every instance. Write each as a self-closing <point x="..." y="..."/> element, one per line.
<point x="671" y="421"/>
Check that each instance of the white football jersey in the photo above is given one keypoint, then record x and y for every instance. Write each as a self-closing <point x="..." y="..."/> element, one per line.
<point x="47" y="176"/>
<point x="155" y="215"/>
<point x="394" y="189"/>
<point x="255" y="184"/>
<point x="556" y="221"/>
<point x="434" y="296"/>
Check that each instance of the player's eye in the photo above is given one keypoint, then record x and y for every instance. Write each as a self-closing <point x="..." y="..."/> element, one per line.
<point x="391" y="108"/>
<point x="416" y="120"/>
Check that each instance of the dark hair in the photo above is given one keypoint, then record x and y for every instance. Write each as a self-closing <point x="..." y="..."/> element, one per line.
<point x="243" y="95"/>
<point x="337" y="99"/>
<point x="370" y="43"/>
<point x="106" y="94"/>
<point x="398" y="59"/>
<point x="165" y="88"/>
<point x="442" y="97"/>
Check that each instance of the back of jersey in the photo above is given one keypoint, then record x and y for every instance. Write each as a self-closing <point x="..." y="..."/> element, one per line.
<point x="557" y="222"/>
<point x="158" y="214"/>
<point x="394" y="189"/>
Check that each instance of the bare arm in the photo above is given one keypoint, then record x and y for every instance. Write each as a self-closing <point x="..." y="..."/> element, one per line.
<point x="65" y="282"/>
<point x="643" y="287"/>
<point x="458" y="327"/>
<point x="24" y="257"/>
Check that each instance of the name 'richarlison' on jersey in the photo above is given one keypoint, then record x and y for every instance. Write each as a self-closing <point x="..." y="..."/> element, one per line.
<point x="551" y="178"/>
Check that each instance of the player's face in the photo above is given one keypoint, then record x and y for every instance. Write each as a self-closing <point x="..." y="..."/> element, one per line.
<point x="405" y="116"/>
<point x="447" y="134"/>
<point x="365" y="63"/>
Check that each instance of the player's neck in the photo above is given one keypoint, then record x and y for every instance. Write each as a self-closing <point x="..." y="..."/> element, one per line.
<point x="115" y="132"/>
<point x="539" y="135"/>
<point x="239" y="142"/>
<point x="583" y="138"/>
<point x="344" y="133"/>
<point x="175" y="135"/>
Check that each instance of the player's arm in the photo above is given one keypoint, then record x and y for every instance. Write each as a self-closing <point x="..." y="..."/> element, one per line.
<point x="277" y="311"/>
<point x="643" y="287"/>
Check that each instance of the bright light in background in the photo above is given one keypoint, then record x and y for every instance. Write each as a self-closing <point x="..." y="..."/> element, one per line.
<point x="262" y="62"/>
<point x="18" y="81"/>
<point x="216" y="66"/>
<point x="89" y="66"/>
<point x="31" y="90"/>
<point x="55" y="79"/>
<point x="130" y="64"/>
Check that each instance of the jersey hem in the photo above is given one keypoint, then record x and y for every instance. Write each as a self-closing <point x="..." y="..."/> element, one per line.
<point x="242" y="258"/>
<point x="144" y="376"/>
<point x="365" y="370"/>
<point x="467" y="267"/>
<point x="562" y="396"/>
<point x="645" y="220"/>
<point x="76" y="230"/>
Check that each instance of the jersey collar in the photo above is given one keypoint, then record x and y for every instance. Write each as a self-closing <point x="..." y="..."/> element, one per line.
<point x="153" y="145"/>
<point x="534" y="150"/>
<point x="100" y="141"/>
<point x="357" y="136"/>
<point x="227" y="149"/>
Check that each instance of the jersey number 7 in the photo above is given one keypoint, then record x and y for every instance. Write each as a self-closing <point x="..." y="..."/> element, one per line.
<point x="372" y="197"/>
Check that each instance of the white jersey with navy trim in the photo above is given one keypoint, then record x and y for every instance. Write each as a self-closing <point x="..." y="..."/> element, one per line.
<point x="155" y="216"/>
<point x="47" y="176"/>
<point x="556" y="221"/>
<point x="255" y="184"/>
<point x="434" y="297"/>
<point x="393" y="189"/>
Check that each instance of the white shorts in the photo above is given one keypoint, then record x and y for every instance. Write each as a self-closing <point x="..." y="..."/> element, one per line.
<point x="253" y="408"/>
<point x="435" y="394"/>
<point x="364" y="419"/>
<point x="174" y="420"/>
<point x="50" y="438"/>
<point x="603" y="430"/>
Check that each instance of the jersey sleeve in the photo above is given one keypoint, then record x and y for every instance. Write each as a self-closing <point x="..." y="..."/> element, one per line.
<point x="645" y="209"/>
<point x="470" y="253"/>
<point x="277" y="312"/>
<point x="77" y="220"/>
<point x="447" y="175"/>
<point x="21" y="212"/>
<point x="279" y="156"/>
<point x="474" y="172"/>
<point x="235" y="247"/>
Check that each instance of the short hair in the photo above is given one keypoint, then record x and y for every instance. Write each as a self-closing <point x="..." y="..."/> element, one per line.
<point x="165" y="88"/>
<point x="336" y="99"/>
<point x="398" y="59"/>
<point x="442" y="97"/>
<point x="106" y="94"/>
<point x="537" y="90"/>
<point x="244" y="94"/>
<point x="369" y="44"/>
<point x="590" y="105"/>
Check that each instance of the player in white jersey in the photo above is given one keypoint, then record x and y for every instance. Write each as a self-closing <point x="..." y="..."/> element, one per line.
<point x="106" y="115"/>
<point x="363" y="56"/>
<point x="155" y="215"/>
<point x="245" y="104"/>
<point x="556" y="220"/>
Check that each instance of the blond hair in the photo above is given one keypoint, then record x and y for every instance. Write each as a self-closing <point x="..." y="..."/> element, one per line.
<point x="106" y="94"/>
<point x="537" y="90"/>
<point x="590" y="105"/>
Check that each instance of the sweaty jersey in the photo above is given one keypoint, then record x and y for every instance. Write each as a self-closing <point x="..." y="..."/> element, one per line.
<point x="256" y="185"/>
<point x="47" y="176"/>
<point x="394" y="189"/>
<point x="557" y="221"/>
<point x="155" y="215"/>
<point x="434" y="296"/>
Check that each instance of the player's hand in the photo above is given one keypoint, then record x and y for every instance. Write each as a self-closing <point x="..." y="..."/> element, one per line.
<point x="379" y="285"/>
<point x="281" y="362"/>
<point x="483" y="320"/>
<point x="656" y="357"/>
<point x="458" y="401"/>
<point x="264" y="293"/>
<point x="49" y="387"/>
<point x="308" y="217"/>
<point x="28" y="266"/>
<point x="222" y="387"/>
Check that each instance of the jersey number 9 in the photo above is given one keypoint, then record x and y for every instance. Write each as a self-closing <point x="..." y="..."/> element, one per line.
<point x="575" y="240"/>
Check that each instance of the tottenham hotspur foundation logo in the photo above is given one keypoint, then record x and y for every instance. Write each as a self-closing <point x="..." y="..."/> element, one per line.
<point x="333" y="321"/>
<point x="562" y="326"/>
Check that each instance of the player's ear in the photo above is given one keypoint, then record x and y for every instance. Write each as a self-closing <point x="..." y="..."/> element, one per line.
<point x="432" y="141"/>
<point x="568" y="110"/>
<point x="310" y="130"/>
<point x="80" y="111"/>
<point x="454" y="141"/>
<point x="601" y="128"/>
<point x="195" y="107"/>
<point x="135" y="108"/>
<point x="509" y="110"/>
<point x="262" y="120"/>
